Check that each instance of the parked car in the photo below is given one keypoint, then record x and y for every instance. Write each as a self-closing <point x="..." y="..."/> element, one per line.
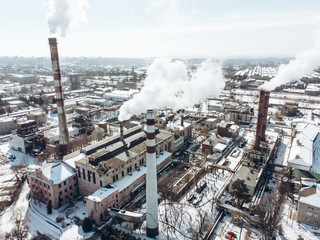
<point x="232" y="234"/>
<point x="228" y="236"/>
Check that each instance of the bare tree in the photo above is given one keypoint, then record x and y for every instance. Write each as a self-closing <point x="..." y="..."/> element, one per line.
<point x="19" y="232"/>
<point x="268" y="213"/>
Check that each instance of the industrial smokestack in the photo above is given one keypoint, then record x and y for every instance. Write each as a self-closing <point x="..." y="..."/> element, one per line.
<point x="142" y="121"/>
<point x="121" y="131"/>
<point x="262" y="118"/>
<point x="181" y="119"/>
<point x="151" y="181"/>
<point x="63" y="127"/>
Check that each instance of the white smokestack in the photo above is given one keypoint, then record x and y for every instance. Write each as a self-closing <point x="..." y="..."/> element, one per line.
<point x="305" y="62"/>
<point x="151" y="181"/>
<point x="65" y="14"/>
<point x="168" y="84"/>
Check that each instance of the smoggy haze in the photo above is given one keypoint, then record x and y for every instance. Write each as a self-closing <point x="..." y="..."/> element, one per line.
<point x="157" y="28"/>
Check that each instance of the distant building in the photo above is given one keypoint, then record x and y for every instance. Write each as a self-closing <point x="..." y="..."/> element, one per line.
<point x="23" y="78"/>
<point x="120" y="95"/>
<point x="7" y="125"/>
<point x="229" y="130"/>
<point x="215" y="144"/>
<point x="22" y="139"/>
<point x="53" y="182"/>
<point x="39" y="116"/>
<point x="241" y="114"/>
<point x="75" y="80"/>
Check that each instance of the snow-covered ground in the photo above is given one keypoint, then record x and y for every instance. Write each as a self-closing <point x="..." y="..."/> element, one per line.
<point x="291" y="228"/>
<point x="180" y="220"/>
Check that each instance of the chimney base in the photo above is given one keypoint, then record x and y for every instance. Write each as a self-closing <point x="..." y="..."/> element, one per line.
<point x="152" y="232"/>
<point x="63" y="150"/>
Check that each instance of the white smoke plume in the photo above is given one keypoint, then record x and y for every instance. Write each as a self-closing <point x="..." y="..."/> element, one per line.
<point x="303" y="63"/>
<point x="168" y="84"/>
<point x="65" y="14"/>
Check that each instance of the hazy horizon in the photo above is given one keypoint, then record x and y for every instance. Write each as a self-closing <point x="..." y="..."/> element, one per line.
<point x="159" y="28"/>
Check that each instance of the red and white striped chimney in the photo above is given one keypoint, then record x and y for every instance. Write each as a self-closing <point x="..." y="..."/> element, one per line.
<point x="151" y="181"/>
<point x="63" y="127"/>
<point x="121" y="131"/>
<point x="142" y="121"/>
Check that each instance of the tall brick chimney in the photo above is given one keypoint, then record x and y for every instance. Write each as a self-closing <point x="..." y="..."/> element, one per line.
<point x="262" y="118"/>
<point x="63" y="127"/>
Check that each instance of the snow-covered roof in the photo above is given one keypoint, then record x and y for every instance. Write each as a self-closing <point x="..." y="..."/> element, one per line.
<point x="312" y="199"/>
<point x="305" y="150"/>
<point x="123" y="183"/>
<point x="220" y="146"/>
<point x="57" y="172"/>
<point x="177" y="125"/>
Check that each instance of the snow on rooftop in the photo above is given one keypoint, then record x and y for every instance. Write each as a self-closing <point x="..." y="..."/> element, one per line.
<point x="57" y="172"/>
<point x="177" y="125"/>
<point x="313" y="199"/>
<point x="305" y="150"/>
<point x="123" y="183"/>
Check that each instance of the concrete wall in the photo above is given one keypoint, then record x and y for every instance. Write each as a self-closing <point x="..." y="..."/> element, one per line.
<point x="308" y="214"/>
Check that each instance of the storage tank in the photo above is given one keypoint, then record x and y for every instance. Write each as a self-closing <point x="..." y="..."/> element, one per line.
<point x="39" y="116"/>
<point x="7" y="125"/>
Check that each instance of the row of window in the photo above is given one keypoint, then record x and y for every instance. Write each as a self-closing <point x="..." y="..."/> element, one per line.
<point x="40" y="183"/>
<point x="89" y="175"/>
<point x="311" y="208"/>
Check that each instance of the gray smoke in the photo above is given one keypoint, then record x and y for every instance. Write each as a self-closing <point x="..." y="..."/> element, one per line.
<point x="304" y="62"/>
<point x="64" y="14"/>
<point x="168" y="84"/>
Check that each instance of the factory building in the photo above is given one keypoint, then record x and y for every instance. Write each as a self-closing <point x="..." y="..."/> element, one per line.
<point x="241" y="114"/>
<point x="109" y="160"/>
<point x="111" y="171"/>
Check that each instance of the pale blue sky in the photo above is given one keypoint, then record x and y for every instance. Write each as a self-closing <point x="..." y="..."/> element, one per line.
<point x="171" y="28"/>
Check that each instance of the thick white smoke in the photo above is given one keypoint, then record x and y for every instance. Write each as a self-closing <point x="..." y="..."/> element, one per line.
<point x="304" y="62"/>
<point x="64" y="14"/>
<point x="168" y="84"/>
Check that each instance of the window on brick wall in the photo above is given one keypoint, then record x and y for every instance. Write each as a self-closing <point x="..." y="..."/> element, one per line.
<point x="309" y="213"/>
<point x="84" y="174"/>
<point x="60" y="185"/>
<point x="60" y="193"/>
<point x="65" y="183"/>
<point x="65" y="190"/>
<point x="89" y="175"/>
<point x="70" y="187"/>
<point x="94" y="178"/>
<point x="79" y="172"/>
